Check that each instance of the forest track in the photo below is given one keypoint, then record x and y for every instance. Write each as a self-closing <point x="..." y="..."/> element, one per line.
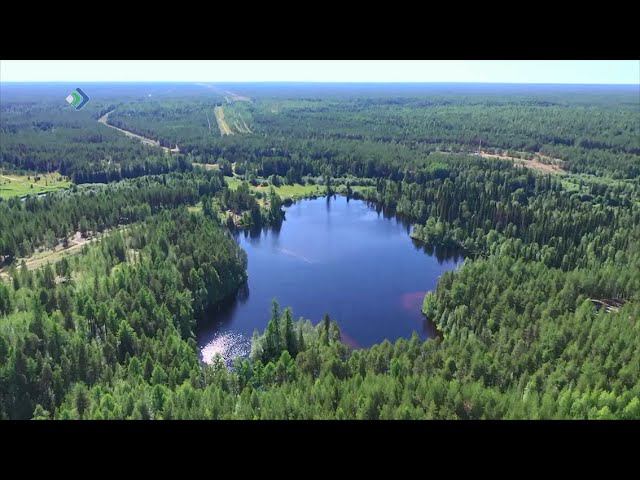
<point x="52" y="255"/>
<point x="245" y="126"/>
<point x="147" y="141"/>
<point x="222" y="123"/>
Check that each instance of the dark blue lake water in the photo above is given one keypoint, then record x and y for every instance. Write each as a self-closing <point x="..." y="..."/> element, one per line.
<point x="335" y="256"/>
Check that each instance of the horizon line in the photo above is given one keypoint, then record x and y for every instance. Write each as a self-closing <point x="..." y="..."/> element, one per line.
<point x="330" y="82"/>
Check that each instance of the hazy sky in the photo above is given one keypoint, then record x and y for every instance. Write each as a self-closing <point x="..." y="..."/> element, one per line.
<point x="505" y="71"/>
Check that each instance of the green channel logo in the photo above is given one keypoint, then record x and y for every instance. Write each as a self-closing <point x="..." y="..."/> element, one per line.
<point x="77" y="99"/>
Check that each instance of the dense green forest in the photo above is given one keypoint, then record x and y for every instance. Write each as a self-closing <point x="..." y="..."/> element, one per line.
<point x="347" y="134"/>
<point x="26" y="225"/>
<point x="47" y="137"/>
<point x="541" y="321"/>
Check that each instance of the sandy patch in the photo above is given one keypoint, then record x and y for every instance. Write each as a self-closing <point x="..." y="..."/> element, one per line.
<point x="550" y="165"/>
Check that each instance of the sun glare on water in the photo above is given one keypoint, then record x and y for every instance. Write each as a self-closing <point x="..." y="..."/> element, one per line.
<point x="228" y="345"/>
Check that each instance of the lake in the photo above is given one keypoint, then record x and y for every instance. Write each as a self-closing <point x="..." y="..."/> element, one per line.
<point x="335" y="255"/>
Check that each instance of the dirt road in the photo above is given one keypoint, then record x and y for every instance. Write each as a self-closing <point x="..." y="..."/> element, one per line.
<point x="38" y="259"/>
<point x="147" y="141"/>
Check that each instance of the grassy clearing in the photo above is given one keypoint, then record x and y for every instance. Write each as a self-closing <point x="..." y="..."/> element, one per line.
<point x="298" y="191"/>
<point x="207" y="166"/>
<point x="294" y="192"/>
<point x="362" y="188"/>
<point x="21" y="185"/>
<point x="233" y="182"/>
<point x="553" y="165"/>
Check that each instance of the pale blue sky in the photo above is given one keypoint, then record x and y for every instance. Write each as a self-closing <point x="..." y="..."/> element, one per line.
<point x="499" y="71"/>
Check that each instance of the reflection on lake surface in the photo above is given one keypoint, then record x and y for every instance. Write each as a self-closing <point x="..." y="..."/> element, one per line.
<point x="336" y="256"/>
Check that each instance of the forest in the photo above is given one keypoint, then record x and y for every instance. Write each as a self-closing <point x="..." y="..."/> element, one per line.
<point x="541" y="321"/>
